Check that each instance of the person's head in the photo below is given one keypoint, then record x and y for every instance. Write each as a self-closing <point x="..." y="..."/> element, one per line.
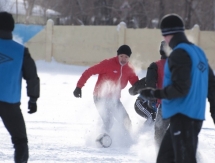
<point x="162" y="49"/>
<point x="124" y="53"/>
<point x="6" y="22"/>
<point x="171" y="24"/>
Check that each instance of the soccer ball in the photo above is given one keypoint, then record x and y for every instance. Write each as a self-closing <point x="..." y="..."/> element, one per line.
<point x="104" y="140"/>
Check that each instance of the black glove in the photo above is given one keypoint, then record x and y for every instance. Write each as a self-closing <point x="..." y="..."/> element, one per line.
<point x="148" y="93"/>
<point x="139" y="85"/>
<point x="77" y="92"/>
<point x="32" y="105"/>
<point x="132" y="91"/>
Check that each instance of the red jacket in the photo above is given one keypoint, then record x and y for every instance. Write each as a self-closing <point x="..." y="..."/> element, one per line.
<point x="112" y="77"/>
<point x="160" y="71"/>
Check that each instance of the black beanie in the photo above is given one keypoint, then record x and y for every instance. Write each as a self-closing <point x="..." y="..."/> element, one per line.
<point x="124" y="49"/>
<point x="171" y="24"/>
<point x="6" y="22"/>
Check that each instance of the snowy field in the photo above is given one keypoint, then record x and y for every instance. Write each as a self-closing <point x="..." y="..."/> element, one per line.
<point x="65" y="128"/>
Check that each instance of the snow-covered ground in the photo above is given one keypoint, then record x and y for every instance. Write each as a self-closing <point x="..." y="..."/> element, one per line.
<point x="65" y="128"/>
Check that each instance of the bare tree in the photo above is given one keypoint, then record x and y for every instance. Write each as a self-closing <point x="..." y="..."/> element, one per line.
<point x="17" y="9"/>
<point x="29" y="5"/>
<point x="135" y="13"/>
<point x="188" y="13"/>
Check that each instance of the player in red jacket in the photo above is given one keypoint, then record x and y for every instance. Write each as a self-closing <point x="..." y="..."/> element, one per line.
<point x="113" y="76"/>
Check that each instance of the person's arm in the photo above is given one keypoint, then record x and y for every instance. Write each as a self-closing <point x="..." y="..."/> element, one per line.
<point x="149" y="81"/>
<point x="211" y="93"/>
<point x="96" y="69"/>
<point x="151" y="75"/>
<point x="29" y="72"/>
<point x="30" y="75"/>
<point x="133" y="78"/>
<point x="180" y="66"/>
<point x="136" y="87"/>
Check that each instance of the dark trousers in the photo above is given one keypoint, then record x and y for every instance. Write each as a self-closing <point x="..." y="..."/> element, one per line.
<point x="111" y="110"/>
<point x="12" y="118"/>
<point x="180" y="141"/>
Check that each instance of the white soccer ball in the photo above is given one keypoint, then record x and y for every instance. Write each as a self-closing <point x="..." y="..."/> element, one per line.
<point x="104" y="140"/>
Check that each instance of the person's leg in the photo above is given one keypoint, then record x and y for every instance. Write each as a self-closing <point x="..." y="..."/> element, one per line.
<point x="184" y="132"/>
<point x="105" y="113"/>
<point x="166" y="153"/>
<point x="121" y="115"/>
<point x="142" y="108"/>
<point x="160" y="127"/>
<point x="13" y="120"/>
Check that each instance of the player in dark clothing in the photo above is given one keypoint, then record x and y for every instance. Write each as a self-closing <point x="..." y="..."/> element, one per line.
<point x="154" y="79"/>
<point x="148" y="108"/>
<point x="15" y="63"/>
<point x="188" y="81"/>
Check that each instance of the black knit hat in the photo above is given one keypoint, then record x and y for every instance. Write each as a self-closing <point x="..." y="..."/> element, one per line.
<point x="124" y="49"/>
<point x="171" y="24"/>
<point x="6" y="21"/>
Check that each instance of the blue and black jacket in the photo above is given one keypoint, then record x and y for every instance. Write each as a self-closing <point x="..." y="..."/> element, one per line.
<point x="193" y="104"/>
<point x="15" y="64"/>
<point x="180" y="66"/>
